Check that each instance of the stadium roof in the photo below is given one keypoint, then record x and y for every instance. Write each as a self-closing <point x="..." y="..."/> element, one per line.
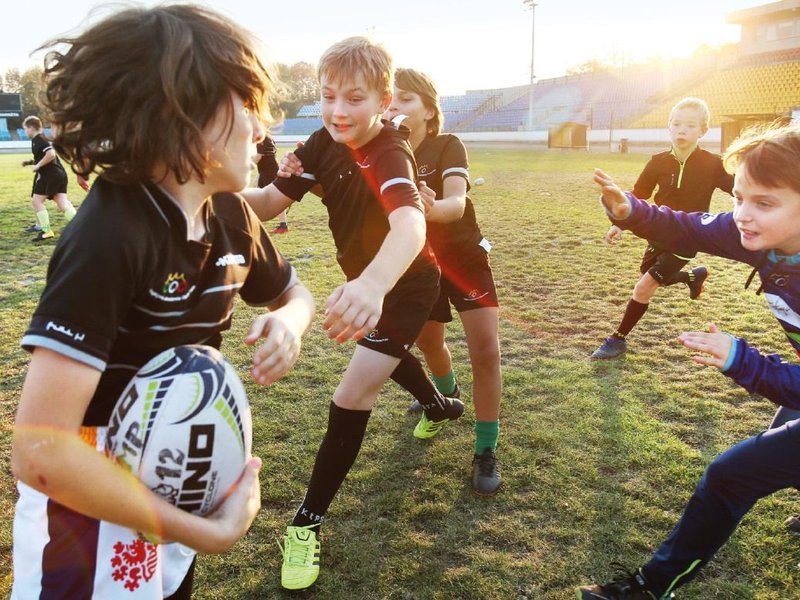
<point x="766" y="12"/>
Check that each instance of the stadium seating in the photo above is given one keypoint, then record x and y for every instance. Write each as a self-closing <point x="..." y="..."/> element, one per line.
<point x="638" y="96"/>
<point x="743" y="89"/>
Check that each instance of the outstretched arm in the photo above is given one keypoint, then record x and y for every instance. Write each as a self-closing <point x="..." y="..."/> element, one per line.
<point x="353" y="309"/>
<point x="267" y="202"/>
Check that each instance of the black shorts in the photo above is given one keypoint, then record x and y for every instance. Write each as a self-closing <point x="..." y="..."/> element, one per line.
<point x="50" y="184"/>
<point x="467" y="284"/>
<point x="405" y="311"/>
<point x="661" y="264"/>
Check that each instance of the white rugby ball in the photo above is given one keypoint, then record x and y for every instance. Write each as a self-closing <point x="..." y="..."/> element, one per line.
<point x="479" y="181"/>
<point x="183" y="426"/>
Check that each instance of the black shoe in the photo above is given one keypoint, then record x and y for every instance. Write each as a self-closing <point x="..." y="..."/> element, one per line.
<point x="485" y="473"/>
<point x="696" y="280"/>
<point x="416" y="407"/>
<point x="428" y="428"/>
<point x="44" y="235"/>
<point x="33" y="228"/>
<point x="628" y="586"/>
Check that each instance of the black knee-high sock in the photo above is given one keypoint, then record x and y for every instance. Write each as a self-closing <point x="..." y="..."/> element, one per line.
<point x="412" y="377"/>
<point x="633" y="312"/>
<point x="336" y="455"/>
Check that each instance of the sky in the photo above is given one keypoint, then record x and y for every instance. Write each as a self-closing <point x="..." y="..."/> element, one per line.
<point x="462" y="44"/>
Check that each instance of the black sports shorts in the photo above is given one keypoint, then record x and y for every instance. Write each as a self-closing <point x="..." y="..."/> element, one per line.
<point x="405" y="311"/>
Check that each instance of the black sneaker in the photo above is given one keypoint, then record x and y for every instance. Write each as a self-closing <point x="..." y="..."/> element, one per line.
<point x="697" y="278"/>
<point x="485" y="473"/>
<point x="44" y="235"/>
<point x="33" y="228"/>
<point x="627" y="586"/>
<point x="426" y="428"/>
<point x="416" y="407"/>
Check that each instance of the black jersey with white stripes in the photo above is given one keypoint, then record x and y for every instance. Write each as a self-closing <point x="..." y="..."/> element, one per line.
<point x="39" y="147"/>
<point x="439" y="157"/>
<point x="125" y="282"/>
<point x="361" y="188"/>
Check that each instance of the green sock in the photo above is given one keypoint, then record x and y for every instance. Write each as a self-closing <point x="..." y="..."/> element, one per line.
<point x="69" y="212"/>
<point x="44" y="219"/>
<point x="446" y="383"/>
<point x="486" y="434"/>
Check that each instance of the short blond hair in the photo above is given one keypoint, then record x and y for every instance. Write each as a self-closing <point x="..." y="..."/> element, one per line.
<point x="34" y="122"/>
<point x="771" y="154"/>
<point x="354" y="56"/>
<point x="696" y="103"/>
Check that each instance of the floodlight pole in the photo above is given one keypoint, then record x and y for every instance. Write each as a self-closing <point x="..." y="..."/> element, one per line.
<point x="533" y="6"/>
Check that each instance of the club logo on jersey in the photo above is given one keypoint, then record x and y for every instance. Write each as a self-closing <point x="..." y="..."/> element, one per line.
<point x="363" y="165"/>
<point x="175" y="284"/>
<point x="708" y="218"/>
<point x="230" y="259"/>
<point x="134" y="562"/>
<point x="423" y="170"/>
<point x="174" y="289"/>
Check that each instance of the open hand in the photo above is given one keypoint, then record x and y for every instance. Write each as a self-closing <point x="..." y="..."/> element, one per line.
<point x="714" y="347"/>
<point x="612" y="196"/>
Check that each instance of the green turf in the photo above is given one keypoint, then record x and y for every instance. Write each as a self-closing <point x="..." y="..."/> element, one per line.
<point x="598" y="459"/>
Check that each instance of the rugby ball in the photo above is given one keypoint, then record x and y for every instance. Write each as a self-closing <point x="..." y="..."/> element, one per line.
<point x="479" y="181"/>
<point x="183" y="426"/>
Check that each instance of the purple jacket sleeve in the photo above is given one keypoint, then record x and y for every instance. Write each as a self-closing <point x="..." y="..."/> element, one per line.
<point x="766" y="374"/>
<point x="687" y="232"/>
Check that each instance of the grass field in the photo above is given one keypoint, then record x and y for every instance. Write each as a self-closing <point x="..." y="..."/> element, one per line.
<point x="598" y="458"/>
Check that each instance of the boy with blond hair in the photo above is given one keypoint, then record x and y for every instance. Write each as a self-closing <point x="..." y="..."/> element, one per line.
<point x="762" y="231"/>
<point x="367" y="171"/>
<point x="686" y="177"/>
<point x="49" y="180"/>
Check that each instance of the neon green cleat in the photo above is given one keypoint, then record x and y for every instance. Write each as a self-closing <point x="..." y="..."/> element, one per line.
<point x="427" y="429"/>
<point x="300" y="551"/>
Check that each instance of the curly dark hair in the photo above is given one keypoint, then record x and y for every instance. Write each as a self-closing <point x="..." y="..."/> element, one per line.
<point x="131" y="94"/>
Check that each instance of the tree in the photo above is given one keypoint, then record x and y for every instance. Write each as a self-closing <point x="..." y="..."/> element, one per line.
<point x="298" y="86"/>
<point x="590" y="66"/>
<point x="29" y="85"/>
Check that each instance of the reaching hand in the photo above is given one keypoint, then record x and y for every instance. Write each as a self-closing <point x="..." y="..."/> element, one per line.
<point x="716" y="344"/>
<point x="613" y="235"/>
<point x="612" y="196"/>
<point x="428" y="196"/>
<point x="290" y="164"/>
<point x="352" y="310"/>
<point x="278" y="351"/>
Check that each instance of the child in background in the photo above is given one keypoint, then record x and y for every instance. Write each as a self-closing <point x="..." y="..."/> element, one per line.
<point x="763" y="231"/>
<point x="171" y="246"/>
<point x="49" y="181"/>
<point x="686" y="176"/>
<point x="267" y="170"/>
<point x="462" y="253"/>
<point x="376" y="216"/>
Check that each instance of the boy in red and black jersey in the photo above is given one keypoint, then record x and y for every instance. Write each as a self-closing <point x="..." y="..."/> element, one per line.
<point x="367" y="173"/>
